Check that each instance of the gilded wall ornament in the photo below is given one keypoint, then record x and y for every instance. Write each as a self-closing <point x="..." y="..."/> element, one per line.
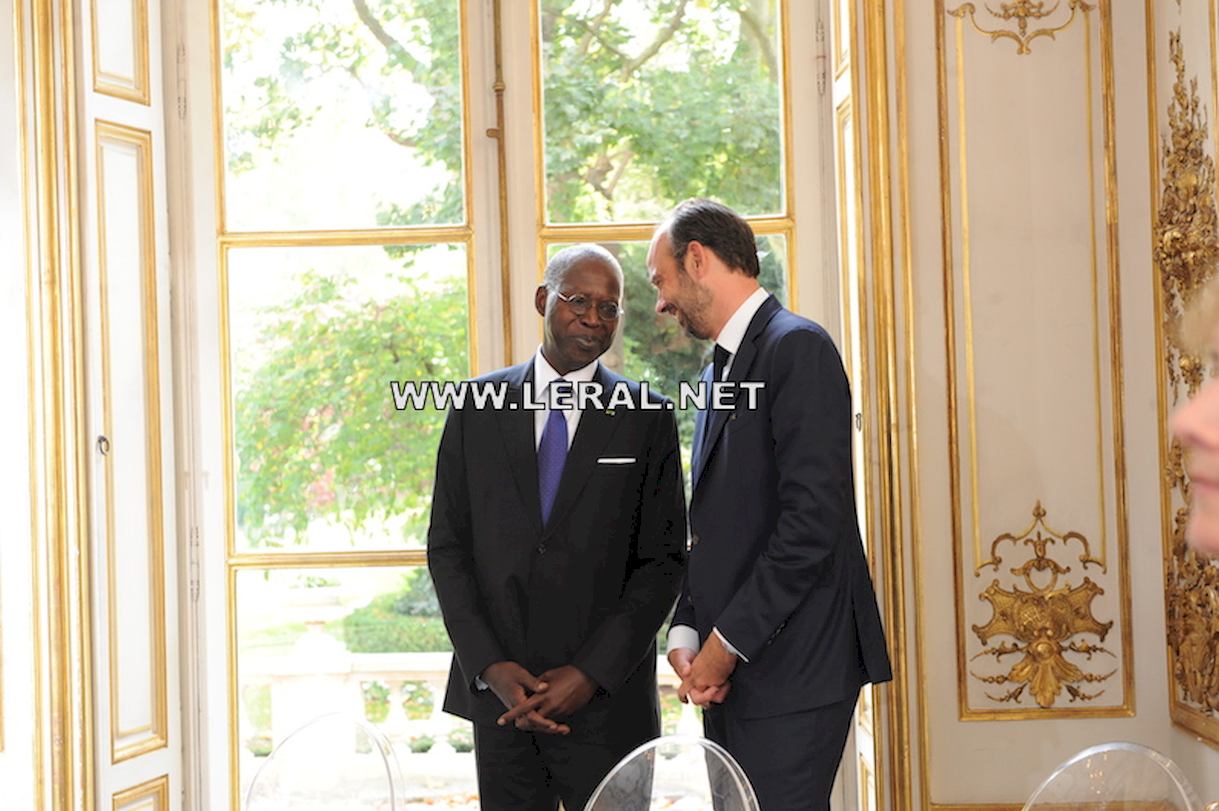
<point x="1046" y="621"/>
<point x="1022" y="11"/>
<point x="1186" y="250"/>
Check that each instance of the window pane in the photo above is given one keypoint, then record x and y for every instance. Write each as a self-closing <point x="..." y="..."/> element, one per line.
<point x="324" y="459"/>
<point x="654" y="347"/>
<point x="647" y="102"/>
<point x="341" y="115"/>
<point x="367" y="642"/>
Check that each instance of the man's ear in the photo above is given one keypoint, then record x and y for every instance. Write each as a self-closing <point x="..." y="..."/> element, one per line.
<point x="539" y="298"/>
<point x="697" y="256"/>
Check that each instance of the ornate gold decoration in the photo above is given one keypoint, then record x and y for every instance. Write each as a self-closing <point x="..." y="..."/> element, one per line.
<point x="1186" y="252"/>
<point x="1022" y="11"/>
<point x="1044" y="620"/>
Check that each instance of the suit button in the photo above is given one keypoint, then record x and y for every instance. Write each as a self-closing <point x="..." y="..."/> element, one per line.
<point x="541" y="549"/>
<point x="693" y="541"/>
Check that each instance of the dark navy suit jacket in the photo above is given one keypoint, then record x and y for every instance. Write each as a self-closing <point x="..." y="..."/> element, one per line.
<point x="776" y="562"/>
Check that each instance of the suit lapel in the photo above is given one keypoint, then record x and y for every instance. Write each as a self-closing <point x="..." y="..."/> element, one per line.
<point x="742" y="362"/>
<point x="594" y="431"/>
<point x="517" y="433"/>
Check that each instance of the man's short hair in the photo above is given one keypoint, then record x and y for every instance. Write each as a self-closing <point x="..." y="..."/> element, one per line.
<point x="563" y="261"/>
<point x="715" y="226"/>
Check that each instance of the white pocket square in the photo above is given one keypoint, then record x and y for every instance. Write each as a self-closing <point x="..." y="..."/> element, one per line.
<point x="616" y="460"/>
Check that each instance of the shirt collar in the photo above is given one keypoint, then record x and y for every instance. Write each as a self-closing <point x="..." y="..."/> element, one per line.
<point x="544" y="374"/>
<point x="733" y="333"/>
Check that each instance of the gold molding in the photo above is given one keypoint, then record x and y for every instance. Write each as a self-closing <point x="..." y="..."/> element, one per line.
<point x="414" y="235"/>
<point x="30" y="214"/>
<point x="890" y="548"/>
<point x="966" y="712"/>
<point x="1041" y="619"/>
<point x="467" y="169"/>
<point x="1185" y="252"/>
<point x="136" y="88"/>
<point x="1214" y="20"/>
<point x="156" y="789"/>
<point x="867" y="784"/>
<point x="842" y="56"/>
<point x="1022" y="11"/>
<point x="914" y="489"/>
<point x="59" y="484"/>
<point x="318" y="560"/>
<point x="80" y="591"/>
<point x="158" y="731"/>
<point x="844" y="118"/>
<point x="500" y="134"/>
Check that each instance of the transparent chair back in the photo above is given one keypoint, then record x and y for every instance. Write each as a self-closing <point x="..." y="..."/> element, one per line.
<point x="676" y="773"/>
<point x="1119" y="776"/>
<point x="333" y="763"/>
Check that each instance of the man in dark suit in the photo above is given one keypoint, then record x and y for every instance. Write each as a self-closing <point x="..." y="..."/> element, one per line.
<point x="557" y="543"/>
<point x="776" y="628"/>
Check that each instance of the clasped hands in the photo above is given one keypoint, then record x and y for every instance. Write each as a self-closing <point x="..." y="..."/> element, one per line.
<point x="704" y="675"/>
<point x="534" y="702"/>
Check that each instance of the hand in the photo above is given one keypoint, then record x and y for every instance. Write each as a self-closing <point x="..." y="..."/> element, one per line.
<point x="712" y="695"/>
<point x="711" y="668"/>
<point x="514" y="685"/>
<point x="569" y="689"/>
<point x="680" y="660"/>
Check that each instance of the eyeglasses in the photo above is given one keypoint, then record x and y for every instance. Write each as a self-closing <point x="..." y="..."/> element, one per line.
<point x="579" y="304"/>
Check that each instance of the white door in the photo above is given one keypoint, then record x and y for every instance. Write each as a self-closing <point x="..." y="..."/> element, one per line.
<point x="137" y="748"/>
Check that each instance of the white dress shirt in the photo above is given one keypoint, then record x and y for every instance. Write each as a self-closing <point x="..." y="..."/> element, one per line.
<point x="730" y="337"/>
<point x="543" y="375"/>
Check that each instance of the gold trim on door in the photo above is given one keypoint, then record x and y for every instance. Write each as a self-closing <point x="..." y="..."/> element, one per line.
<point x="157" y="730"/>
<point x="135" y="88"/>
<point x="966" y="712"/>
<point x="58" y="487"/>
<point x="156" y="790"/>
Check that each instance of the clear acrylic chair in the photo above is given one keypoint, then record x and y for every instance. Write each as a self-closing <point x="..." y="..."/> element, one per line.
<point x="333" y="763"/>
<point x="676" y="773"/>
<point x="1117" y="775"/>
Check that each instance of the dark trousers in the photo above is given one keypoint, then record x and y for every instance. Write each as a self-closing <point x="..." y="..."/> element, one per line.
<point x="790" y="759"/>
<point x="527" y="771"/>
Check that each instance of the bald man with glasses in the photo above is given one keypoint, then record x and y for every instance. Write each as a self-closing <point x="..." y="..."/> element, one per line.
<point x="557" y="544"/>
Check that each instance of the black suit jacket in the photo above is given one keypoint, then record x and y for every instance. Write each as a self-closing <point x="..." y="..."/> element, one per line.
<point x="592" y="587"/>
<point x="776" y="562"/>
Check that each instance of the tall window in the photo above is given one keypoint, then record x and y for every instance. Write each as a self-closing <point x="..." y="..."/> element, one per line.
<point x="646" y="103"/>
<point x="346" y="262"/>
<point x="348" y="172"/>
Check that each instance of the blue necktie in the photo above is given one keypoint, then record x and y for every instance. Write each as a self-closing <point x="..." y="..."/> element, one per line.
<point x="552" y="453"/>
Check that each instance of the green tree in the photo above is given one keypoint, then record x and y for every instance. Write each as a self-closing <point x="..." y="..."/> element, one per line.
<point x="317" y="432"/>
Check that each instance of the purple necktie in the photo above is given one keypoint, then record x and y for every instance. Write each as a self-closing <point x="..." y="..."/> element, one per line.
<point x="552" y="452"/>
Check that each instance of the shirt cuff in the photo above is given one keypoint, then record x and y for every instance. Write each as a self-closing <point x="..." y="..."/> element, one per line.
<point x="682" y="636"/>
<point x="480" y="684"/>
<point x="727" y="645"/>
